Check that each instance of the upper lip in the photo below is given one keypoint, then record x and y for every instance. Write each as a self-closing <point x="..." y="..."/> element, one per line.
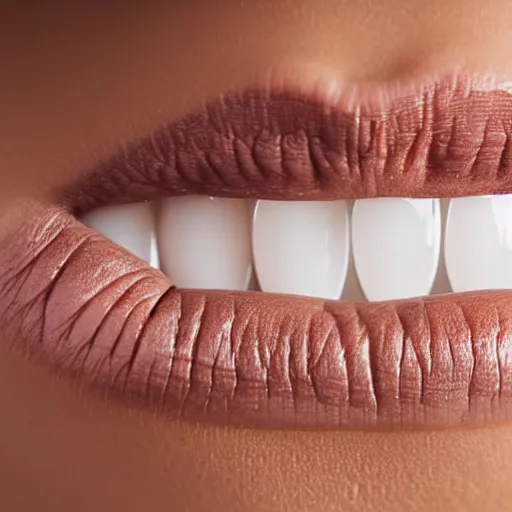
<point x="90" y="309"/>
<point x="446" y="139"/>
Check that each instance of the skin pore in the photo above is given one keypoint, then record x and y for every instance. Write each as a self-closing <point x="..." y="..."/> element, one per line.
<point x="81" y="81"/>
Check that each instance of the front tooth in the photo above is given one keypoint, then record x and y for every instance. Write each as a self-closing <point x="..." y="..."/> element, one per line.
<point x="396" y="243"/>
<point x="205" y="242"/>
<point x="131" y="226"/>
<point x="301" y="247"/>
<point x="478" y="243"/>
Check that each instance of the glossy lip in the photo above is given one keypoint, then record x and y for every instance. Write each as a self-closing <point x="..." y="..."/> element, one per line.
<point x="91" y="310"/>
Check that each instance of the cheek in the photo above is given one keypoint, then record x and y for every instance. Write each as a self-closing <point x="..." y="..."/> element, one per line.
<point x="69" y="451"/>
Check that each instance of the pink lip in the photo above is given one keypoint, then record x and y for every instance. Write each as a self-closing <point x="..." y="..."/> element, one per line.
<point x="91" y="310"/>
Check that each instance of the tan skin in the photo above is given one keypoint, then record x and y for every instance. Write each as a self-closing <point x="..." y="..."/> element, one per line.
<point x="83" y="79"/>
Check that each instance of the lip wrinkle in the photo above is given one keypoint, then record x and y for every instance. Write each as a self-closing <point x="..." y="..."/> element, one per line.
<point x="255" y="359"/>
<point x="91" y="310"/>
<point x="448" y="139"/>
<point x="265" y="390"/>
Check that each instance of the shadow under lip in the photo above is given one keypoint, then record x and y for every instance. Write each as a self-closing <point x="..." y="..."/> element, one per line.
<point x="91" y="310"/>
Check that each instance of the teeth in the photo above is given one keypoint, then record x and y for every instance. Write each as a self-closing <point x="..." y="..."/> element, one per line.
<point x="301" y="247"/>
<point x="396" y="243"/>
<point x="478" y="243"/>
<point x="205" y="242"/>
<point x="401" y="247"/>
<point x="131" y="226"/>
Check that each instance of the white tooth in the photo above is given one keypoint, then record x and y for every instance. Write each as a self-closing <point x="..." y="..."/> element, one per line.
<point x="131" y="226"/>
<point x="205" y="242"/>
<point x="441" y="282"/>
<point x="478" y="243"/>
<point x="396" y="243"/>
<point x="301" y="248"/>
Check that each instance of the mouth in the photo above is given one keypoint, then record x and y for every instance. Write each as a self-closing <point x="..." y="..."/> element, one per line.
<point x="279" y="259"/>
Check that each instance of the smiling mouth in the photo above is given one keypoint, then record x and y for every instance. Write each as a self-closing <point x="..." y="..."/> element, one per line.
<point x="331" y="183"/>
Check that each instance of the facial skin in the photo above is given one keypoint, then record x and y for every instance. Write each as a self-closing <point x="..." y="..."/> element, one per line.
<point x="80" y="81"/>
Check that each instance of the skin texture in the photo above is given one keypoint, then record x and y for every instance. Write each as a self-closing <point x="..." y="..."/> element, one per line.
<point x="83" y="79"/>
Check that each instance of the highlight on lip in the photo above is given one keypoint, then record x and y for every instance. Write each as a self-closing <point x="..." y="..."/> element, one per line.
<point x="370" y="195"/>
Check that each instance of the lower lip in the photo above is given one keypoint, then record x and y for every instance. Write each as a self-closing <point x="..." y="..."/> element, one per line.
<point x="251" y="359"/>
